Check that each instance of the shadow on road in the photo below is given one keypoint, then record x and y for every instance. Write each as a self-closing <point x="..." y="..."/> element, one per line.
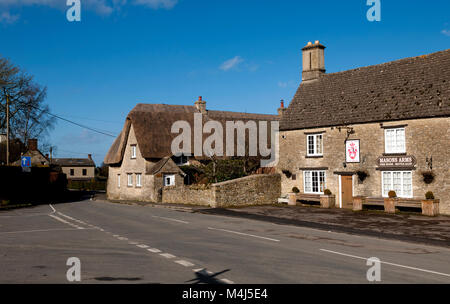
<point x="203" y="277"/>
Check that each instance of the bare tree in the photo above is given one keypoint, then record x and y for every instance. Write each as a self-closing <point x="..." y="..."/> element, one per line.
<point x="28" y="113"/>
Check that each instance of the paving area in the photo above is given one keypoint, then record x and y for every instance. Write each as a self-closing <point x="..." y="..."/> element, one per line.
<point x="402" y="226"/>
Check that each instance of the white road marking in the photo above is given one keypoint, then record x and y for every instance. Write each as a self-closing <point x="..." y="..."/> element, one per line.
<point x="73" y="219"/>
<point x="154" y="250"/>
<point x="123" y="238"/>
<point x="171" y="219"/>
<point x="65" y="222"/>
<point x="241" y="233"/>
<point x="226" y="281"/>
<point x="198" y="269"/>
<point x="184" y="263"/>
<point x="42" y="230"/>
<point x="387" y="263"/>
<point x="54" y="210"/>
<point x="133" y="243"/>
<point x="142" y="246"/>
<point x="167" y="255"/>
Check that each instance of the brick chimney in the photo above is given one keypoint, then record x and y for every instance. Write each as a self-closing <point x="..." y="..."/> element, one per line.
<point x="90" y="156"/>
<point x="32" y="144"/>
<point x="200" y="104"/>
<point x="281" y="109"/>
<point x="313" y="61"/>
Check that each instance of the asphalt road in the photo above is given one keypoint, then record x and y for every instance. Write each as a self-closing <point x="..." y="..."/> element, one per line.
<point x="135" y="244"/>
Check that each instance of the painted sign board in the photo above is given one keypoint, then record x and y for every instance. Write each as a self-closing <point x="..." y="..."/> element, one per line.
<point x="352" y="151"/>
<point x="397" y="161"/>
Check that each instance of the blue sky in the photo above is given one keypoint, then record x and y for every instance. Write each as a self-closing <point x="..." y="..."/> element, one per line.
<point x="240" y="55"/>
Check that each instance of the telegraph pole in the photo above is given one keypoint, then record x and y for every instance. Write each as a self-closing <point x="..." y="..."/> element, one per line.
<point x="7" y="127"/>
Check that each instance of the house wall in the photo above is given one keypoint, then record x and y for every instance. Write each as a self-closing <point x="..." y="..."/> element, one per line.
<point x="424" y="138"/>
<point x="78" y="172"/>
<point x="132" y="166"/>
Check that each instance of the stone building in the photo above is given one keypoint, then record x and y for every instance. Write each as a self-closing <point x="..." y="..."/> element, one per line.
<point x="366" y="131"/>
<point x="140" y="160"/>
<point x="77" y="169"/>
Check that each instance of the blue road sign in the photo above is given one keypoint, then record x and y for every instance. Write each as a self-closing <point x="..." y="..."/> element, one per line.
<point x="26" y="161"/>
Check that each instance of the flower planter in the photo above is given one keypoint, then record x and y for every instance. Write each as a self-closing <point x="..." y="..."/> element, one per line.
<point x="358" y="202"/>
<point x="292" y="199"/>
<point x="430" y="207"/>
<point x="327" y="201"/>
<point x="389" y="205"/>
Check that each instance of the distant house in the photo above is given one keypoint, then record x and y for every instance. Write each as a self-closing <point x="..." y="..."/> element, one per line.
<point x="370" y="130"/>
<point x="37" y="158"/>
<point x="140" y="160"/>
<point x="76" y="169"/>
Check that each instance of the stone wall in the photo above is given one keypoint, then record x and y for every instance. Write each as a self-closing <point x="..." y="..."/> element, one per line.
<point x="251" y="190"/>
<point x="425" y="138"/>
<point x="188" y="195"/>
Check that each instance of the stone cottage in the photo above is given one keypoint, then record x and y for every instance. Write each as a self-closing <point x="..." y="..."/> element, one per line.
<point x="366" y="131"/>
<point x="140" y="160"/>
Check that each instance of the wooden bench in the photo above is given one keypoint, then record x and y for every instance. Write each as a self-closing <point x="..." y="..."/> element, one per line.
<point x="308" y="197"/>
<point x="402" y="202"/>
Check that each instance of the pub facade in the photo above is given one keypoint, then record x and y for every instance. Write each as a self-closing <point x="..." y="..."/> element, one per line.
<point x="368" y="131"/>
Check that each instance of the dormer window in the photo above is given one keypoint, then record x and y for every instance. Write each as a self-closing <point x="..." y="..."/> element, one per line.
<point x="394" y="141"/>
<point x="315" y="145"/>
<point x="133" y="151"/>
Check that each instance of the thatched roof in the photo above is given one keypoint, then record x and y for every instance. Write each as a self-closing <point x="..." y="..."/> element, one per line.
<point x="152" y="126"/>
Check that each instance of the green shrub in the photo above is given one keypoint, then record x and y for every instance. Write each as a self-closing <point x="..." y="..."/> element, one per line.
<point x="429" y="195"/>
<point x="327" y="192"/>
<point x="295" y="190"/>
<point x="392" y="194"/>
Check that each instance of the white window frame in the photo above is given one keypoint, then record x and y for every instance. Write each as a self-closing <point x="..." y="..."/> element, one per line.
<point x="171" y="180"/>
<point x="394" y="149"/>
<point x="133" y="151"/>
<point x="318" y="181"/>
<point x="130" y="180"/>
<point x="385" y="192"/>
<point x="314" y="136"/>
<point x="138" y="180"/>
<point x="118" y="180"/>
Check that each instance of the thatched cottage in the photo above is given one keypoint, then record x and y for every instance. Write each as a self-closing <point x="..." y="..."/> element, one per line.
<point x="141" y="161"/>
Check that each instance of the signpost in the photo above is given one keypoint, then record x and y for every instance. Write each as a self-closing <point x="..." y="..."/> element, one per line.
<point x="26" y="163"/>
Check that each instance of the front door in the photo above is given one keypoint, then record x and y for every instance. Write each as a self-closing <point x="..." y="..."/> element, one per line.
<point x="347" y="191"/>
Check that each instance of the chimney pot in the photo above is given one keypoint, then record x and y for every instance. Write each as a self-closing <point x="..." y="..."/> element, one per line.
<point x="282" y="103"/>
<point x="200" y="104"/>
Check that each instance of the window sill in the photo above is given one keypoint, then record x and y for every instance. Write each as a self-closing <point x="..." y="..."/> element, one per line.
<point x="314" y="156"/>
